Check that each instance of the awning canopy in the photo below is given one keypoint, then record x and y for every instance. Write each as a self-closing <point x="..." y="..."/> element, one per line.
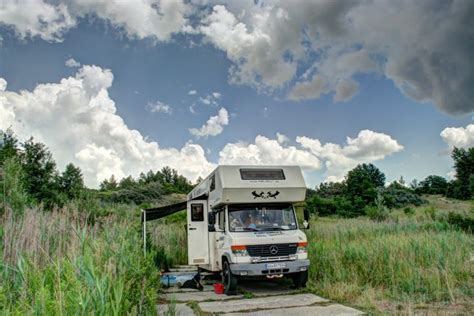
<point x="159" y="212"/>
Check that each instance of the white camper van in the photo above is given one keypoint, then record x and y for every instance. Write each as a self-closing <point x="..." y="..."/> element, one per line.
<point x="241" y="222"/>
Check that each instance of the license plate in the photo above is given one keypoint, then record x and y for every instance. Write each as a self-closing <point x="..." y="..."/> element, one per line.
<point x="277" y="265"/>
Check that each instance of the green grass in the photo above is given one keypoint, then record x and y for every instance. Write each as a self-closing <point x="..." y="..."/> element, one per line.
<point x="57" y="264"/>
<point x="61" y="263"/>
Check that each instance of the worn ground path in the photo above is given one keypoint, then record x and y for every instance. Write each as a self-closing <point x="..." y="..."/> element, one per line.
<point x="254" y="298"/>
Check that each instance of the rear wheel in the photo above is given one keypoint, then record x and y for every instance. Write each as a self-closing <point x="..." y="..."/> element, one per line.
<point x="300" y="279"/>
<point x="229" y="280"/>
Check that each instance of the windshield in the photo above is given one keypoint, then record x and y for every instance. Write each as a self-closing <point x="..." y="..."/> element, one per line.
<point x="261" y="218"/>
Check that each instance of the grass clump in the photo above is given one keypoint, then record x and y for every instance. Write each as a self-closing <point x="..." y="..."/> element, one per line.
<point x="57" y="263"/>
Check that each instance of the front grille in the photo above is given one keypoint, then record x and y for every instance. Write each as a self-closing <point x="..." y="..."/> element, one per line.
<point x="269" y="250"/>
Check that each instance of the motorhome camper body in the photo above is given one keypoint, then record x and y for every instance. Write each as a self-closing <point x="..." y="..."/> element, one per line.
<point x="241" y="221"/>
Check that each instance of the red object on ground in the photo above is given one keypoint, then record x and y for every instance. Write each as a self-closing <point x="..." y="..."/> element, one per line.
<point x="218" y="288"/>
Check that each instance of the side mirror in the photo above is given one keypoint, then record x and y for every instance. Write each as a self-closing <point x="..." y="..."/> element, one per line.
<point x="211" y="220"/>
<point x="306" y="219"/>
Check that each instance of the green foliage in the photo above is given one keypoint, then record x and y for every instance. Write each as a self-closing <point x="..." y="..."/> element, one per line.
<point x="351" y="197"/>
<point x="409" y="211"/>
<point x="147" y="188"/>
<point x="137" y="194"/>
<point x="109" y="184"/>
<point x="464" y="221"/>
<point x="433" y="185"/>
<point x="379" y="212"/>
<point x="71" y="183"/>
<point x="396" y="196"/>
<point x="464" y="167"/>
<point x="12" y="191"/>
<point x="8" y="145"/>
<point x="361" y="185"/>
<point x="39" y="171"/>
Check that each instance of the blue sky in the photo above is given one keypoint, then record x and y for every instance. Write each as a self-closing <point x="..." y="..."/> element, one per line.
<point x="147" y="70"/>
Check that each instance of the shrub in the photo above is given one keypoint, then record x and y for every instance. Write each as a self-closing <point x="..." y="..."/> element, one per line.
<point x="409" y="211"/>
<point x="464" y="221"/>
<point x="379" y="212"/>
<point x="398" y="198"/>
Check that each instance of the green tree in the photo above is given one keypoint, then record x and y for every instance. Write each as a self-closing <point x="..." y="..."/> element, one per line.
<point x="127" y="183"/>
<point x="433" y="185"/>
<point x="8" y="145"/>
<point x="39" y="176"/>
<point x="109" y="184"/>
<point x="11" y="185"/>
<point x="71" y="182"/>
<point x="464" y="167"/>
<point x="362" y="183"/>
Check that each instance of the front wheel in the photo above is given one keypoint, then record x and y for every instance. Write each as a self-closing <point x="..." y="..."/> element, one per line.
<point x="300" y="279"/>
<point x="229" y="280"/>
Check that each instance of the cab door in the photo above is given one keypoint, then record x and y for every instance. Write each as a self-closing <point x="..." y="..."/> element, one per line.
<point x="198" y="236"/>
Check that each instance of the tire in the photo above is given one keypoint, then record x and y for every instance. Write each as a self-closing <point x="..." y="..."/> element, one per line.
<point x="229" y="280"/>
<point x="300" y="279"/>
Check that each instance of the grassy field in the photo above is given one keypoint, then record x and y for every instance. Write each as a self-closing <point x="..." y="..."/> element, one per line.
<point x="411" y="262"/>
<point x="63" y="263"/>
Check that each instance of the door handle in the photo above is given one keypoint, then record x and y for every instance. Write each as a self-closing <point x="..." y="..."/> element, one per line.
<point x="192" y="228"/>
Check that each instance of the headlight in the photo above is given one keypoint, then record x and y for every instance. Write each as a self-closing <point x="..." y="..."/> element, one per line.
<point x="239" y="250"/>
<point x="302" y="247"/>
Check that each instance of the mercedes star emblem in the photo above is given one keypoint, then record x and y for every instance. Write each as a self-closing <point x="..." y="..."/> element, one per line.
<point x="273" y="249"/>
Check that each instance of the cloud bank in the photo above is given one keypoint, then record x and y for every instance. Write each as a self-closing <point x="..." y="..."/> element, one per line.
<point x="305" y="48"/>
<point x="311" y="155"/>
<point x="77" y="120"/>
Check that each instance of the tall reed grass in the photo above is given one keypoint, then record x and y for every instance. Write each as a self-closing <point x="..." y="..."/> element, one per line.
<point x="365" y="263"/>
<point x="55" y="263"/>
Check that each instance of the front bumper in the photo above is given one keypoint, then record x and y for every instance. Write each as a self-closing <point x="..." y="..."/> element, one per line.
<point x="262" y="268"/>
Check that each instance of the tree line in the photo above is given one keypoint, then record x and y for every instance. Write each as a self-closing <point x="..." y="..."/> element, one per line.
<point x="29" y="177"/>
<point x="363" y="190"/>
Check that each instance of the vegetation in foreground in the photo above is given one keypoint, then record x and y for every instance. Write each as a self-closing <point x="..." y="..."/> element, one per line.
<point x="67" y="249"/>
<point x="56" y="263"/>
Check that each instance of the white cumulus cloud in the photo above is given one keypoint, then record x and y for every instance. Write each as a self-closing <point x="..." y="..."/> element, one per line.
<point x="159" y="107"/>
<point x="72" y="63"/>
<point x="459" y="136"/>
<point x="214" y="125"/>
<point x="311" y="154"/>
<point x="49" y="20"/>
<point x="78" y="121"/>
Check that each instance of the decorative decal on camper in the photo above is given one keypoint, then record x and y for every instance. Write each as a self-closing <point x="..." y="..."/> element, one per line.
<point x="264" y="195"/>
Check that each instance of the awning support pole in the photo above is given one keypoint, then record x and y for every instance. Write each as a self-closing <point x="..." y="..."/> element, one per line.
<point x="144" y="232"/>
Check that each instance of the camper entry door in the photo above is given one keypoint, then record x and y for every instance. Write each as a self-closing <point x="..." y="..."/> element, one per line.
<point x="198" y="239"/>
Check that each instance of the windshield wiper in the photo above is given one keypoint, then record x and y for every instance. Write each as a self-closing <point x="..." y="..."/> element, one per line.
<point x="274" y="228"/>
<point x="251" y="229"/>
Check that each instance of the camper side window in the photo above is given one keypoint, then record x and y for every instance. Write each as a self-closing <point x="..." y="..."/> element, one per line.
<point x="222" y="220"/>
<point x="197" y="212"/>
